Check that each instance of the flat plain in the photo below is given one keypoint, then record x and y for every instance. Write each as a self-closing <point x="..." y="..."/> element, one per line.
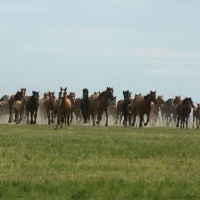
<point x="86" y="162"/>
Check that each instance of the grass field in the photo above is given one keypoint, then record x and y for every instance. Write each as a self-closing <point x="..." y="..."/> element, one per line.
<point x="85" y="162"/>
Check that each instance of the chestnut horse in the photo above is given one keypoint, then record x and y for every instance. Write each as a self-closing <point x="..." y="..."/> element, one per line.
<point x="13" y="98"/>
<point x="50" y="106"/>
<point x="142" y="105"/>
<point x="155" y="108"/>
<point x="77" y="110"/>
<point x="99" y="104"/>
<point x="196" y="116"/>
<point x="183" y="110"/>
<point x="64" y="109"/>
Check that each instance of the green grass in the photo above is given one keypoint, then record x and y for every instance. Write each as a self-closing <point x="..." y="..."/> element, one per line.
<point x="85" y="162"/>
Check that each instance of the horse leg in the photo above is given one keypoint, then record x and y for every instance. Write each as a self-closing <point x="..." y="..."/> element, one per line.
<point x="48" y="117"/>
<point x="141" y="119"/>
<point x="106" y="117"/>
<point x="178" y="119"/>
<point x="27" y="114"/>
<point x="145" y="124"/>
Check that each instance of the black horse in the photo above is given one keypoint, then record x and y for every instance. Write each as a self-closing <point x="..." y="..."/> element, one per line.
<point x="126" y="102"/>
<point x="32" y="107"/>
<point x="85" y="106"/>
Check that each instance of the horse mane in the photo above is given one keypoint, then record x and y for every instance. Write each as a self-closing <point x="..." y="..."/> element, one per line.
<point x="101" y="94"/>
<point x="145" y="97"/>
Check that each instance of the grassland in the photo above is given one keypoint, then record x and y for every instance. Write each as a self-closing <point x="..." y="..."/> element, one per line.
<point x="85" y="162"/>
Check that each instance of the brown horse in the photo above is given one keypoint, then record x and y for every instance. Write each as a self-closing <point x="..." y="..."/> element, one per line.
<point x="99" y="104"/>
<point x="13" y="98"/>
<point x="142" y="105"/>
<point x="155" y="108"/>
<point x="77" y="110"/>
<point x="64" y="109"/>
<point x="50" y="106"/>
<point x="176" y="101"/>
<point x="196" y="116"/>
<point x="183" y="110"/>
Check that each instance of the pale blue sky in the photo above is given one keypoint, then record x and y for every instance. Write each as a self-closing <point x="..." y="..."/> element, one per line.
<point x="125" y="44"/>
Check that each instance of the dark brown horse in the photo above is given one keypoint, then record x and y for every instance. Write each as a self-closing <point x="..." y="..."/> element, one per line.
<point x="18" y="96"/>
<point x="196" y="116"/>
<point x="121" y="106"/>
<point x="99" y="104"/>
<point x="50" y="106"/>
<point x="142" y="105"/>
<point x="32" y="107"/>
<point x="85" y="106"/>
<point x="176" y="101"/>
<point x="183" y="110"/>
<point x="64" y="109"/>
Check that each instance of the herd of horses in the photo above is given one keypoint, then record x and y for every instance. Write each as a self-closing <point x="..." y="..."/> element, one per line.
<point x="138" y="111"/>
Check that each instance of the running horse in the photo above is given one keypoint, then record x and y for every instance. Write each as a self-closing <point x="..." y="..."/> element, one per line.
<point x="126" y="102"/>
<point x="17" y="97"/>
<point x="142" y="105"/>
<point x="99" y="104"/>
<point x="85" y="106"/>
<point x="77" y="110"/>
<point x="50" y="106"/>
<point x="64" y="109"/>
<point x="183" y="110"/>
<point x="155" y="108"/>
<point x="196" y="116"/>
<point x="32" y="107"/>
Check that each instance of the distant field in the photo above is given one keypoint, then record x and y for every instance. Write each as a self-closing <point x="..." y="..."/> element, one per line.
<point x="85" y="162"/>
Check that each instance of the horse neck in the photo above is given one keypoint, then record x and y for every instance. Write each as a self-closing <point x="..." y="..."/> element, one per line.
<point x="104" y="98"/>
<point x="147" y="102"/>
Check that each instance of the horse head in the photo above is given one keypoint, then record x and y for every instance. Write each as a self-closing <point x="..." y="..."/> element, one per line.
<point x="160" y="100"/>
<point x="152" y="97"/>
<point x="85" y="93"/>
<point x="62" y="93"/>
<point x="127" y="95"/>
<point x="109" y="93"/>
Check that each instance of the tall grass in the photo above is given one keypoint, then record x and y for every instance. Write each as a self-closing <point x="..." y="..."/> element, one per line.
<point x="83" y="162"/>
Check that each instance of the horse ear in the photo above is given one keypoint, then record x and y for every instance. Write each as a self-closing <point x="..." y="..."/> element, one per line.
<point x="66" y="88"/>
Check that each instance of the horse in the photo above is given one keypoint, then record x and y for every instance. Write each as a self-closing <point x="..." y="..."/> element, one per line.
<point x="4" y="110"/>
<point x="142" y="105"/>
<point x="196" y="116"/>
<point x="166" y="111"/>
<point x="72" y="98"/>
<point x="64" y="109"/>
<point x="85" y="106"/>
<point x="77" y="110"/>
<point x="19" y="108"/>
<point x="13" y="98"/>
<point x="155" y="108"/>
<point x="120" y="109"/>
<point x="50" y="105"/>
<point x="112" y="108"/>
<point x="99" y="104"/>
<point x="126" y="102"/>
<point x="5" y="98"/>
<point x="183" y="110"/>
<point x="32" y="107"/>
<point x="176" y="101"/>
